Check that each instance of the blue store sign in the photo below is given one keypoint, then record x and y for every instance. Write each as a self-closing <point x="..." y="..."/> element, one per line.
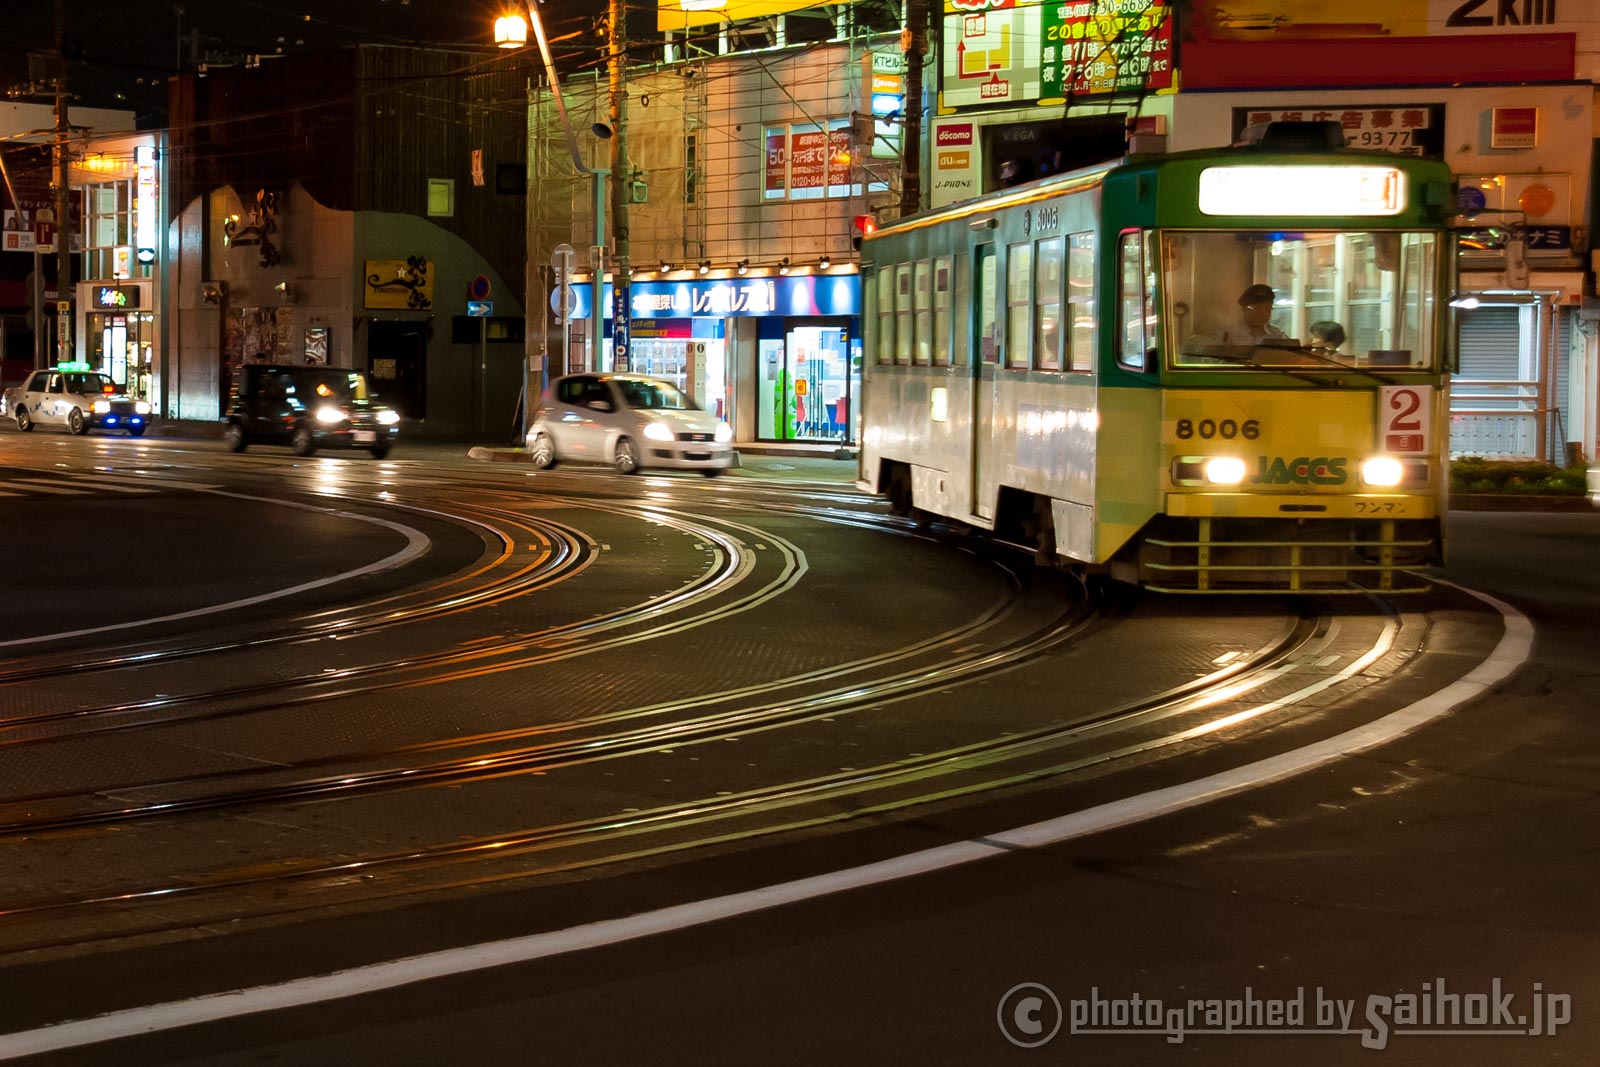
<point x="812" y="294"/>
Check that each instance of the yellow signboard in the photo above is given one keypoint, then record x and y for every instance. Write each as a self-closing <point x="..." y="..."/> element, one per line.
<point x="690" y="14"/>
<point x="399" y="283"/>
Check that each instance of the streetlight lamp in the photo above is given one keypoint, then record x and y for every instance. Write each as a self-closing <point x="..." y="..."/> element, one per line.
<point x="511" y="31"/>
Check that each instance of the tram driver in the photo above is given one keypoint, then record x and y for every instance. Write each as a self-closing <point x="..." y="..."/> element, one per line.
<point x="1253" y="323"/>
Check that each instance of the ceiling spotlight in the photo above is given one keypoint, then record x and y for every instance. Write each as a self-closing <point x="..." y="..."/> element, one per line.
<point x="665" y="267"/>
<point x="743" y="267"/>
<point x="783" y="268"/>
<point x="824" y="263"/>
<point x="705" y="266"/>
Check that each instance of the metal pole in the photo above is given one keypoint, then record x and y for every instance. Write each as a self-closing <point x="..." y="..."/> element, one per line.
<point x="596" y="305"/>
<point x="617" y="58"/>
<point x="63" y="177"/>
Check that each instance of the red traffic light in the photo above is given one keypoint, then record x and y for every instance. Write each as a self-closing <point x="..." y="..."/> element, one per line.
<point x="866" y="224"/>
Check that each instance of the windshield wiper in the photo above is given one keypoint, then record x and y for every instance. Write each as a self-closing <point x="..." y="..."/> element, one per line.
<point x="1239" y="359"/>
<point x="1320" y="356"/>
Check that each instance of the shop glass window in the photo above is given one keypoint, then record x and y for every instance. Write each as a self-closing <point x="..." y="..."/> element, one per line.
<point x="1080" y="299"/>
<point x="885" y="287"/>
<point x="922" y="301"/>
<point x="902" y="305"/>
<point x="941" y="310"/>
<point x="1019" y="302"/>
<point x="1047" y="304"/>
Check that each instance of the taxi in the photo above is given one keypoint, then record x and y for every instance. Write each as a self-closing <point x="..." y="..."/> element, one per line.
<point x="78" y="398"/>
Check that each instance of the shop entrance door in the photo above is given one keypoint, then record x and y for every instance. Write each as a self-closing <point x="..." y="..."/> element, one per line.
<point x="397" y="360"/>
<point x="120" y="343"/>
<point x="810" y="380"/>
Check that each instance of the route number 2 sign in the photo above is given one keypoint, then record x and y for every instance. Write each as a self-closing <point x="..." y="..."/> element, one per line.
<point x="1403" y="416"/>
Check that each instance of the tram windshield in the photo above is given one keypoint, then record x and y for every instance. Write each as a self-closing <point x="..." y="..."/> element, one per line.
<point x="1333" y="301"/>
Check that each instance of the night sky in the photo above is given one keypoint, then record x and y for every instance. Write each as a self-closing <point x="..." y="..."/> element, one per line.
<point x="123" y="52"/>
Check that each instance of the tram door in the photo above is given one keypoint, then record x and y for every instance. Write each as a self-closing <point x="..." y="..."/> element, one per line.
<point x="985" y="379"/>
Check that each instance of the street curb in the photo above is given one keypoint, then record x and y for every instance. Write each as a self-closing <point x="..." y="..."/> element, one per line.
<point x="500" y="455"/>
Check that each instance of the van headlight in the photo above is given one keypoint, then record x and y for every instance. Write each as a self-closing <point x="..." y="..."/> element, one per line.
<point x="328" y="416"/>
<point x="658" y="431"/>
<point x="388" y="417"/>
<point x="101" y="407"/>
<point x="724" y="432"/>
<point x="1382" y="471"/>
<point x="1224" y="470"/>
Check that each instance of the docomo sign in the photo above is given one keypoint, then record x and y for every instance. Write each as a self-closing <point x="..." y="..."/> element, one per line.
<point x="1310" y="191"/>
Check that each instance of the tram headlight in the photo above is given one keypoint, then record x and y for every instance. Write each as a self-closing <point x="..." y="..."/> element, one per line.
<point x="1224" y="470"/>
<point x="1382" y="471"/>
<point x="658" y="431"/>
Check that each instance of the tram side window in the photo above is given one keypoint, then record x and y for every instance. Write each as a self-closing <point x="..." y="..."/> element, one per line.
<point x="988" y="312"/>
<point x="922" y="352"/>
<point x="1047" y="305"/>
<point x="885" y="291"/>
<point x="963" y="338"/>
<point x="941" y="311"/>
<point x="1136" y="311"/>
<point x="902" y="313"/>
<point x="1019" y="301"/>
<point x="1080" y="299"/>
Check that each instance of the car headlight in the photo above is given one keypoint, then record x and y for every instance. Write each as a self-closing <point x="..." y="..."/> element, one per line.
<point x="101" y="407"/>
<point x="1382" y="471"/>
<point x="388" y="417"/>
<point x="1224" y="470"/>
<point x="658" y="431"/>
<point x="329" y="415"/>
<point x="724" y="432"/>
<point x="141" y="407"/>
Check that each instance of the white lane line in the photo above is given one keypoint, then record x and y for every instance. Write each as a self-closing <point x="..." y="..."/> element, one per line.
<point x="1508" y="655"/>
<point x="416" y="544"/>
<point x="94" y="483"/>
<point x="45" y="487"/>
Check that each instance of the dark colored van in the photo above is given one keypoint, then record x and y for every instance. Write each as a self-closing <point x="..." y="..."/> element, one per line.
<point x="307" y="408"/>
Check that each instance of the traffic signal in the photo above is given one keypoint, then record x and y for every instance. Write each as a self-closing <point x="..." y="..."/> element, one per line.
<point x="864" y="224"/>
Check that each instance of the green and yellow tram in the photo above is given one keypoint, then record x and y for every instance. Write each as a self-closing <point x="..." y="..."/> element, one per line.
<point x="1212" y="371"/>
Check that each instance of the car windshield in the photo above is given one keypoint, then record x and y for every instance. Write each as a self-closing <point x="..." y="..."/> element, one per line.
<point x="646" y="395"/>
<point x="338" y="386"/>
<point x="1329" y="301"/>
<point x="90" y="383"/>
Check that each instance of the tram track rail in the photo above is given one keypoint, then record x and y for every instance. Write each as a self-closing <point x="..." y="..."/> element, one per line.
<point x="851" y="794"/>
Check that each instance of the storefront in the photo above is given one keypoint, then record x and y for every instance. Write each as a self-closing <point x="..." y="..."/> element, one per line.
<point x="778" y="357"/>
<point x="117" y="332"/>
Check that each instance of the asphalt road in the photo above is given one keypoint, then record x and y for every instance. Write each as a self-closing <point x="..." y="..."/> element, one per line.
<point x="1457" y="860"/>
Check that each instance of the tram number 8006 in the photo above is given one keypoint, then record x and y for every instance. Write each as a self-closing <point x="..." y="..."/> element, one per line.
<point x="1227" y="429"/>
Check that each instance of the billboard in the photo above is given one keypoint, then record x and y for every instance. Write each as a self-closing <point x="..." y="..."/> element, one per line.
<point x="698" y="14"/>
<point x="1017" y="52"/>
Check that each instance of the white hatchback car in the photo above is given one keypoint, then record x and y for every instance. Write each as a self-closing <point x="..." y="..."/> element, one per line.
<point x="628" y="421"/>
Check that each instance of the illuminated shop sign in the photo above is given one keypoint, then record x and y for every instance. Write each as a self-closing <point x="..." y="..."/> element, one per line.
<point x="1306" y="191"/>
<point x="108" y="297"/>
<point x="818" y="294"/>
<point x="144" y="203"/>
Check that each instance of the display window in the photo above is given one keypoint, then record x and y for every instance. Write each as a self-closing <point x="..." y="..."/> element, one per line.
<point x="810" y="380"/>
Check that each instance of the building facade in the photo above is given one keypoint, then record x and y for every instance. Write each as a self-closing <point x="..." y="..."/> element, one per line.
<point x="359" y="208"/>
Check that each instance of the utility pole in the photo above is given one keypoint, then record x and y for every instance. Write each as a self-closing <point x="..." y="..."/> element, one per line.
<point x="63" y="191"/>
<point x="914" y="42"/>
<point x="621" y="188"/>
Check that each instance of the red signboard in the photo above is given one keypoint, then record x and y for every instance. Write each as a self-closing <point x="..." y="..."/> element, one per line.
<point x="1515" y="127"/>
<point x="808" y="156"/>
